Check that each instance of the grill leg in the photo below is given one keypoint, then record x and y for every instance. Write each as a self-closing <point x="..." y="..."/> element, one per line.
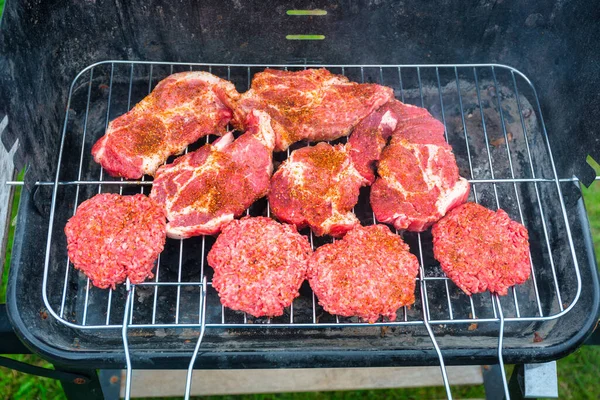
<point x="88" y="391"/>
<point x="492" y="382"/>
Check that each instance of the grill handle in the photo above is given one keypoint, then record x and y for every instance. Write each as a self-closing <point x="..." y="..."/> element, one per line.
<point x="126" y="319"/>
<point x="188" y="381"/>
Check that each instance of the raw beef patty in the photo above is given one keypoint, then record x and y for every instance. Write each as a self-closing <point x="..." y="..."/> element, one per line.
<point x="259" y="265"/>
<point x="480" y="249"/>
<point x="369" y="273"/>
<point x="112" y="237"/>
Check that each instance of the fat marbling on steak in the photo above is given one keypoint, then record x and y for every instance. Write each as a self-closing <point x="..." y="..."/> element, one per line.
<point x="369" y="138"/>
<point x="480" y="249"/>
<point x="112" y="237"/>
<point x="369" y="273"/>
<point x="181" y="109"/>
<point x="418" y="177"/>
<point x="205" y="189"/>
<point x="312" y="104"/>
<point x="317" y="186"/>
<point x="259" y="265"/>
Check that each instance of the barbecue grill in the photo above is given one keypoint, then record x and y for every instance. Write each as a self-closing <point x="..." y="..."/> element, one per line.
<point x="522" y="150"/>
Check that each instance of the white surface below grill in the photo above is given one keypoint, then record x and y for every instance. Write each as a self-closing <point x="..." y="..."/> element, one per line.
<point x="158" y="383"/>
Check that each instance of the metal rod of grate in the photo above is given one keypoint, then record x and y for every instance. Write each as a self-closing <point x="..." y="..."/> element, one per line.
<point x="476" y="143"/>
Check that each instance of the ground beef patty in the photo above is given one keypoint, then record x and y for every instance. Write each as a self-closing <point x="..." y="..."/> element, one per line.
<point x="367" y="274"/>
<point x="259" y="265"/>
<point x="480" y="249"/>
<point x="112" y="237"/>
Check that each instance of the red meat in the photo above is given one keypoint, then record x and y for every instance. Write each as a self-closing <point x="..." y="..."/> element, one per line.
<point x="481" y="250"/>
<point x="112" y="237"/>
<point x="312" y="104"/>
<point x="181" y="109"/>
<point x="418" y="176"/>
<point x="317" y="187"/>
<point x="259" y="265"/>
<point x="369" y="273"/>
<point x="370" y="136"/>
<point x="205" y="189"/>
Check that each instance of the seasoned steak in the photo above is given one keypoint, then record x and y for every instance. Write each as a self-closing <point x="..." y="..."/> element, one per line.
<point x="205" y="189"/>
<point x="480" y="249"/>
<point x="369" y="273"/>
<point x="112" y="237"/>
<point x="317" y="187"/>
<point x="259" y="265"/>
<point x="312" y="104"/>
<point x="418" y="176"/>
<point x="181" y="109"/>
<point x="369" y="138"/>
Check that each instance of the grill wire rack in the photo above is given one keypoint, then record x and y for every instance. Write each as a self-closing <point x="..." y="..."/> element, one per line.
<point x="494" y="123"/>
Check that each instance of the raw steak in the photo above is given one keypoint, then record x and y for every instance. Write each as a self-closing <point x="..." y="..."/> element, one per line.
<point x="480" y="249"/>
<point x="205" y="189"/>
<point x="370" y="136"/>
<point x="181" y="109"/>
<point x="259" y="265"/>
<point x="112" y="237"/>
<point x="368" y="273"/>
<point x="312" y="104"/>
<point x="317" y="187"/>
<point x="418" y="176"/>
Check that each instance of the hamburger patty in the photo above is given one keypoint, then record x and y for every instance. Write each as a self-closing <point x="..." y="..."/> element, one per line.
<point x="368" y="273"/>
<point x="480" y="249"/>
<point x="112" y="237"/>
<point x="259" y="265"/>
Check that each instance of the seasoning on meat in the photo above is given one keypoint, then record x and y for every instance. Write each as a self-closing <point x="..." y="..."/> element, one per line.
<point x="311" y="104"/>
<point x="418" y="177"/>
<point x="259" y="265"/>
<point x="318" y="187"/>
<point x="205" y="189"/>
<point x="480" y="249"/>
<point x="369" y="273"/>
<point x="112" y="237"/>
<point x="369" y="138"/>
<point x="181" y="109"/>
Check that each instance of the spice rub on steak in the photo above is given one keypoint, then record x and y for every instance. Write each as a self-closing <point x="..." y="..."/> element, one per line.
<point x="480" y="249"/>
<point x="312" y="104"/>
<point x="317" y="187"/>
<point x="112" y="237"/>
<point x="181" y="109"/>
<point x="205" y="189"/>
<point x="259" y="265"/>
<point x="369" y="273"/>
<point x="369" y="138"/>
<point x="418" y="177"/>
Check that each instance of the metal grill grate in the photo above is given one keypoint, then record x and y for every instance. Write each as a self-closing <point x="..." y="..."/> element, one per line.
<point x="493" y="121"/>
